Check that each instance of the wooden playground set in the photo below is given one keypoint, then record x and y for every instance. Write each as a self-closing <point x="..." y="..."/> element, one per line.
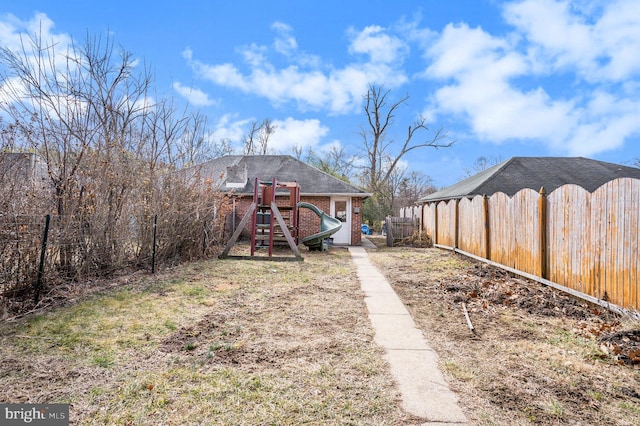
<point x="275" y="222"/>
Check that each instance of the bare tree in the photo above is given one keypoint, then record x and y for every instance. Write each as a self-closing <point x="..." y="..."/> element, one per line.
<point x="256" y="142"/>
<point x="383" y="153"/>
<point x="192" y="143"/>
<point x="482" y="163"/>
<point x="110" y="154"/>
<point x="45" y="105"/>
<point x="334" y="161"/>
<point x="267" y="129"/>
<point x="301" y="152"/>
<point x="249" y="141"/>
<point x="411" y="188"/>
<point x="220" y="148"/>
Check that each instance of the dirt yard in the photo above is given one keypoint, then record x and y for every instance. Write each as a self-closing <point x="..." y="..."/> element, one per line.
<point x="537" y="356"/>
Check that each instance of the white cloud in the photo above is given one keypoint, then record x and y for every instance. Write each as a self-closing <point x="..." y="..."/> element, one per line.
<point x="11" y="89"/>
<point x="284" y="43"/>
<point x="187" y="53"/>
<point x="45" y="53"/>
<point x="307" y="83"/>
<point x="255" y="55"/>
<point x="481" y="67"/>
<point x="291" y="133"/>
<point x="14" y="31"/>
<point x="618" y="31"/>
<point x="10" y="28"/>
<point x="598" y="47"/>
<point x="604" y="123"/>
<point x="483" y="76"/>
<point x="229" y="127"/>
<point x="379" y="46"/>
<point x="464" y="50"/>
<point x="19" y="36"/>
<point x="195" y="97"/>
<point x="412" y="31"/>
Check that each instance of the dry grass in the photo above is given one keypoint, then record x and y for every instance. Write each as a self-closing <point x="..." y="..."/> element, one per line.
<point x="242" y="342"/>
<point x="538" y="357"/>
<point x="218" y="342"/>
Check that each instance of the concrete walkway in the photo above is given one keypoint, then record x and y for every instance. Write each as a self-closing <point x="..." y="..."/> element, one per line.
<point x="413" y="363"/>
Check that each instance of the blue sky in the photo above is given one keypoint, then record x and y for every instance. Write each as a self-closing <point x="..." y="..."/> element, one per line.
<point x="503" y="78"/>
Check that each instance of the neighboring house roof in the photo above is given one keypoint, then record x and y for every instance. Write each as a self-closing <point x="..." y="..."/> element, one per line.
<point x="518" y="173"/>
<point x="238" y="173"/>
<point x="22" y="166"/>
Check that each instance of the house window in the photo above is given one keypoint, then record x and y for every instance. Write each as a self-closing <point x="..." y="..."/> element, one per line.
<point x="341" y="211"/>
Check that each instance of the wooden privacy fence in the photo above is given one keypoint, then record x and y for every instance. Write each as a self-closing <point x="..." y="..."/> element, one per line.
<point x="584" y="242"/>
<point x="399" y="228"/>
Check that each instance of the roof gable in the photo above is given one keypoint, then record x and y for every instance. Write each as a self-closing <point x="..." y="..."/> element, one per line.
<point x="238" y="173"/>
<point x="519" y="173"/>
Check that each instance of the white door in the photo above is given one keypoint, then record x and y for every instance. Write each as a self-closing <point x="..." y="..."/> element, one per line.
<point x="341" y="209"/>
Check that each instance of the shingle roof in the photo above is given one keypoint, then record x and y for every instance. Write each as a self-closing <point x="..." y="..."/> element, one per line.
<point x="238" y="172"/>
<point x="518" y="173"/>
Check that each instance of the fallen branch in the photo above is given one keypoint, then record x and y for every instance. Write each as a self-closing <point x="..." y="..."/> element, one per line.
<point x="466" y="315"/>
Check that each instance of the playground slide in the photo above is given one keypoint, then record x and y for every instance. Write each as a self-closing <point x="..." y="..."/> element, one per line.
<point x="328" y="226"/>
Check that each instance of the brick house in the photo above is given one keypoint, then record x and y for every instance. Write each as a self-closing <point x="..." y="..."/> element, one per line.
<point x="23" y="168"/>
<point x="23" y="179"/>
<point x="236" y="174"/>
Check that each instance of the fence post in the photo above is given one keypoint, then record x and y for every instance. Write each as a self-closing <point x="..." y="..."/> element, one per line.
<point x="456" y="223"/>
<point x="542" y="238"/>
<point x="487" y="241"/>
<point x="204" y="237"/>
<point x="435" y="223"/>
<point x="43" y="250"/>
<point x="153" y="250"/>
<point x="389" y="225"/>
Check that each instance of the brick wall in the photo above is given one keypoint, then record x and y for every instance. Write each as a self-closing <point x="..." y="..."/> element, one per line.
<point x="309" y="221"/>
<point x="356" y="221"/>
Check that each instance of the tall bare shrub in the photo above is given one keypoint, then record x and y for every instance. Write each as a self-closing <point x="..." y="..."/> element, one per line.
<point x="109" y="155"/>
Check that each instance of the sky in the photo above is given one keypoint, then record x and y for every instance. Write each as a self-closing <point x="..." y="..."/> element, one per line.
<point x="501" y="78"/>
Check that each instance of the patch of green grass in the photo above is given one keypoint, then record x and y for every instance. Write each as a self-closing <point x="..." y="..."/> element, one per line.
<point x="562" y="338"/>
<point x="98" y="391"/>
<point x="194" y="291"/>
<point x="555" y="408"/>
<point x="529" y="413"/>
<point x="110" y="322"/>
<point x="218" y="396"/>
<point x="486" y="419"/>
<point x="596" y="396"/>
<point x="103" y="360"/>
<point x="566" y="339"/>
<point x="366" y="365"/>
<point x="457" y="371"/>
<point x="171" y="326"/>
<point x="632" y="409"/>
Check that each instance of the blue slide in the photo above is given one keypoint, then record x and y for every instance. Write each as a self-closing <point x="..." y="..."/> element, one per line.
<point x="329" y="225"/>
